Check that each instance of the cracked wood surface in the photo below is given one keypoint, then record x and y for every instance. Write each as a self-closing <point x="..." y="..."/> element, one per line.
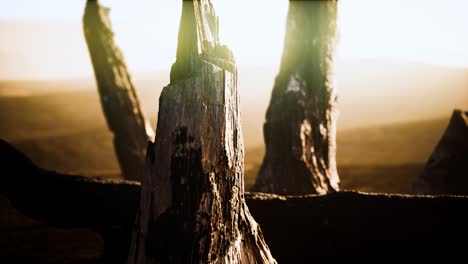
<point x="116" y="91"/>
<point x="300" y="125"/>
<point x="192" y="207"/>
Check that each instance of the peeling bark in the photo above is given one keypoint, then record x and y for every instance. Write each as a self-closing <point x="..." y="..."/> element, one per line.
<point x="192" y="207"/>
<point x="446" y="171"/>
<point x="300" y="122"/>
<point x="117" y="93"/>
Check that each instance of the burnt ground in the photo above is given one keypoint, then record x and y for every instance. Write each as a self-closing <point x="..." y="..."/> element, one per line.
<point x="83" y="220"/>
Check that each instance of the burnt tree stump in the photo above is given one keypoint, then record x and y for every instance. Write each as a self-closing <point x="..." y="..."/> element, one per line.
<point x="446" y="171"/>
<point x="118" y="97"/>
<point x="299" y="130"/>
<point x="192" y="207"/>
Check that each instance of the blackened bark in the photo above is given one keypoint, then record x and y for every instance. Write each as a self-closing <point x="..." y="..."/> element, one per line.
<point x="192" y="207"/>
<point x="446" y="171"/>
<point x="300" y="122"/>
<point x="117" y="93"/>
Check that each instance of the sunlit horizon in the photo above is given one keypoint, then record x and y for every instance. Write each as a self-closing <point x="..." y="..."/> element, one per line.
<point x="44" y="40"/>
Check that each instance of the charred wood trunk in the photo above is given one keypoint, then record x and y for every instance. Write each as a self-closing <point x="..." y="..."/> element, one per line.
<point x="192" y="207"/>
<point x="118" y="97"/>
<point x="446" y="171"/>
<point x="300" y="122"/>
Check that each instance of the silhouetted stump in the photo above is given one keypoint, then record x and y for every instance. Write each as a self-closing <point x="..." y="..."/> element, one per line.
<point x="192" y="207"/>
<point x="446" y="172"/>
<point x="117" y="93"/>
<point x="300" y="122"/>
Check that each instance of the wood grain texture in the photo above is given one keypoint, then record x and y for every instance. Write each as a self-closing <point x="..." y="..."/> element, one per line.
<point x="192" y="207"/>
<point x="300" y="125"/>
<point x="116" y="91"/>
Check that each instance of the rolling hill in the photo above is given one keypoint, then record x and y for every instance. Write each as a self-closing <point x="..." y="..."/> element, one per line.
<point x="391" y="116"/>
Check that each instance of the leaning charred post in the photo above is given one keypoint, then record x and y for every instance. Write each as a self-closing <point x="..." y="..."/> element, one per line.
<point x="118" y="98"/>
<point x="300" y="122"/>
<point x="192" y="207"/>
<point x="446" y="171"/>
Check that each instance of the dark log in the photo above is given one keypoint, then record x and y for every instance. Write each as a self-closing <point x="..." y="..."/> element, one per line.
<point x="360" y="227"/>
<point x="300" y="124"/>
<point x="118" y="97"/>
<point x="446" y="171"/>
<point x="106" y="206"/>
<point x="355" y="226"/>
<point x="192" y="207"/>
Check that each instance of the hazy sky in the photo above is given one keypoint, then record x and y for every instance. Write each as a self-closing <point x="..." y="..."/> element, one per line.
<point x="430" y="31"/>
